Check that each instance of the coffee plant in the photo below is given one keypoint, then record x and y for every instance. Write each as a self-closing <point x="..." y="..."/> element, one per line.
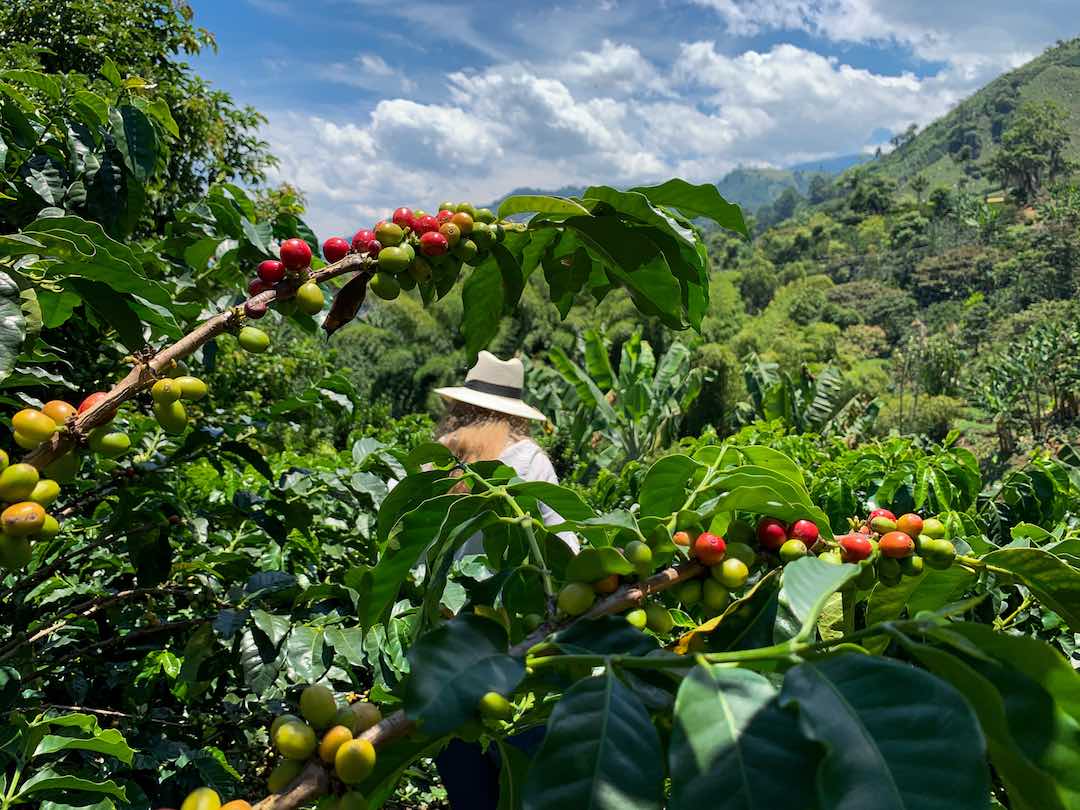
<point x="743" y="626"/>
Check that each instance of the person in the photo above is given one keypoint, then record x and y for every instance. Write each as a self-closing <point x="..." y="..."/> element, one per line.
<point x="486" y="420"/>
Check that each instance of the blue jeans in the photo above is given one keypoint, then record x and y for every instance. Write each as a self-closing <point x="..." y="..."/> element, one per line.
<point x="471" y="775"/>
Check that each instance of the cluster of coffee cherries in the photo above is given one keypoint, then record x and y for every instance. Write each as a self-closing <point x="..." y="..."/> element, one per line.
<point x="329" y="730"/>
<point x="293" y="264"/>
<point x="414" y="247"/>
<point x="896" y="546"/>
<point x="885" y="547"/>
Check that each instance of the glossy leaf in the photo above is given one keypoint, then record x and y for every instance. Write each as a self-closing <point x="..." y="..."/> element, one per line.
<point x="697" y="201"/>
<point x="49" y="779"/>
<point x="135" y="139"/>
<point x="895" y="737"/>
<point x="12" y="325"/>
<point x="805" y="588"/>
<point x="1053" y="581"/>
<point x="928" y="591"/>
<point x="733" y="747"/>
<point x="1033" y="744"/>
<point x="663" y="492"/>
<point x="606" y="635"/>
<point x="482" y="306"/>
<point x="109" y="742"/>
<point x="452" y="667"/>
<point x="539" y="204"/>
<point x="601" y="752"/>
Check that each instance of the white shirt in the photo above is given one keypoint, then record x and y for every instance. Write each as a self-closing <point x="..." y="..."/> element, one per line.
<point x="532" y="464"/>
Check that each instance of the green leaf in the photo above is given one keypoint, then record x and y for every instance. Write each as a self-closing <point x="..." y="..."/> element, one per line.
<point x="540" y="204"/>
<point x="408" y="495"/>
<point x="307" y="654"/>
<point x="482" y="306"/>
<point x="48" y="779"/>
<point x="513" y="772"/>
<point x="733" y="747"/>
<point x="637" y="205"/>
<point x="764" y="492"/>
<point x="1053" y="581"/>
<point x="895" y="737"/>
<point x="422" y="529"/>
<point x="601" y="752"/>
<point x="56" y="308"/>
<point x="91" y="108"/>
<point x="109" y="742"/>
<point x="110" y="72"/>
<point x="1035" y="752"/>
<point x="636" y="263"/>
<point x="606" y="635"/>
<point x="806" y="586"/>
<point x="511" y="276"/>
<point x="455" y="665"/>
<point x="597" y="362"/>
<point x="12" y="325"/>
<point x="112" y="309"/>
<point x="592" y="564"/>
<point x="1036" y="659"/>
<point x="562" y="499"/>
<point x="135" y="139"/>
<point x="928" y="591"/>
<point x="745" y="624"/>
<point x="773" y="460"/>
<point x="35" y="79"/>
<point x="160" y="112"/>
<point x="663" y="492"/>
<point x="583" y="384"/>
<point x="104" y="804"/>
<point x="697" y="201"/>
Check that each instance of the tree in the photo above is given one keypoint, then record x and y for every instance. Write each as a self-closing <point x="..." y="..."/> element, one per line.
<point x="919" y="184"/>
<point x="868" y="193"/>
<point x="216" y="555"/>
<point x="1033" y="149"/>
<point x="216" y="141"/>
<point x="820" y="188"/>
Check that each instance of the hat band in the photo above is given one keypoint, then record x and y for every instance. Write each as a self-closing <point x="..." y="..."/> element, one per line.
<point x="493" y="388"/>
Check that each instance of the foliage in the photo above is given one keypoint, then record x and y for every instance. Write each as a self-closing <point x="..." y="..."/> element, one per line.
<point x="134" y="44"/>
<point x="616" y="416"/>
<point x="302" y="531"/>
<point x="1033" y="149"/>
<point x="819" y="403"/>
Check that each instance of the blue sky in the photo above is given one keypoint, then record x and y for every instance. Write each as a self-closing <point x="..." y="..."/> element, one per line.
<point x="376" y="104"/>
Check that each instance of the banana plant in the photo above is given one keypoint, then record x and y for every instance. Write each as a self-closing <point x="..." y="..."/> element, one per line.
<point x="629" y="413"/>
<point x="819" y="403"/>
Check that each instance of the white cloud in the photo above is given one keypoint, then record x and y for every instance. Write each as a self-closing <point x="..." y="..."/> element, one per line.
<point x="368" y="71"/>
<point x="612" y="114"/>
<point x="975" y="40"/>
<point x="804" y="103"/>
<point x="513" y="125"/>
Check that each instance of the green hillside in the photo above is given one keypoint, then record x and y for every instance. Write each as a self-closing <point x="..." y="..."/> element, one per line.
<point x="753" y="188"/>
<point x="962" y="143"/>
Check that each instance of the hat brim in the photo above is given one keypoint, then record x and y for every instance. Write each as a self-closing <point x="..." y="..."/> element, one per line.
<point x="493" y="402"/>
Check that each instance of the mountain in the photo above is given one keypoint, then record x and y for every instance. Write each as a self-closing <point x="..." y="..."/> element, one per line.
<point x="962" y="143"/>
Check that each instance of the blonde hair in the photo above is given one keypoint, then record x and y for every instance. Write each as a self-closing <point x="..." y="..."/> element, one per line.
<point x="473" y="433"/>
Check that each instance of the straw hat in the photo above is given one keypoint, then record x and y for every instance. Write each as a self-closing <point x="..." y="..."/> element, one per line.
<point x="496" y="385"/>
